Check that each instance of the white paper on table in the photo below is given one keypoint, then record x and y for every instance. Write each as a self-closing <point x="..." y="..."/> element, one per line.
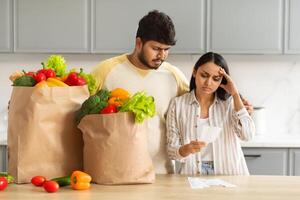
<point x="195" y="183"/>
<point x="208" y="134"/>
<point x="217" y="182"/>
<point x="198" y="183"/>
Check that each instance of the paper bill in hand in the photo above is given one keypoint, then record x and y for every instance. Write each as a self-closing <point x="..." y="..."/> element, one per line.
<point x="208" y="134"/>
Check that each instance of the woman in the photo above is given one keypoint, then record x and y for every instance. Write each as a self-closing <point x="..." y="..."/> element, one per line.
<point x="213" y="101"/>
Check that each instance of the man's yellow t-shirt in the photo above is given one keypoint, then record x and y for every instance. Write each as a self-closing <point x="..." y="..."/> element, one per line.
<point x="163" y="84"/>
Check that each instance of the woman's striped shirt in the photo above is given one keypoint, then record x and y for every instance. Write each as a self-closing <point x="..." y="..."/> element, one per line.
<point x="227" y="153"/>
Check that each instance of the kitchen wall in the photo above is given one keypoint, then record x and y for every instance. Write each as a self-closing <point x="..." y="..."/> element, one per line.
<point x="271" y="81"/>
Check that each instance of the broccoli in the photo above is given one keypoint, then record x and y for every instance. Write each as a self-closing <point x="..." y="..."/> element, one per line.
<point x="27" y="81"/>
<point x="103" y="94"/>
<point x="93" y="104"/>
<point x="99" y="107"/>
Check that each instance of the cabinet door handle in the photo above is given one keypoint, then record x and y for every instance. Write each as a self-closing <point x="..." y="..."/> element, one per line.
<point x="253" y="155"/>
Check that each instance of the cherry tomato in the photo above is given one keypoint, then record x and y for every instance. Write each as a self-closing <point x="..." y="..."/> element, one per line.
<point x="40" y="76"/>
<point x="109" y="109"/>
<point x="3" y="183"/>
<point x="38" y="180"/>
<point x="51" y="186"/>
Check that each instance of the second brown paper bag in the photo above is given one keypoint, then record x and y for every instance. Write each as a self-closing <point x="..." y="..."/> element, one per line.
<point x="115" y="149"/>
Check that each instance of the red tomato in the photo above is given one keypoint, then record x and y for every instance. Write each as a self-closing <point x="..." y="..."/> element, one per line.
<point x="109" y="109"/>
<point x="81" y="81"/>
<point x="38" y="180"/>
<point x="72" y="79"/>
<point x="32" y="74"/>
<point x="42" y="70"/>
<point x="51" y="186"/>
<point x="49" y="73"/>
<point x="40" y="76"/>
<point x="3" y="183"/>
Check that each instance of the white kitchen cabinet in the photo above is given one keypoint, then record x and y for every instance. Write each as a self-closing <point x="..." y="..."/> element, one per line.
<point x="6" y="26"/>
<point x="267" y="161"/>
<point x="292" y="27"/>
<point x="295" y="162"/>
<point x="3" y="158"/>
<point x="115" y="22"/>
<point x="101" y="26"/>
<point x="51" y="26"/>
<point x="245" y="26"/>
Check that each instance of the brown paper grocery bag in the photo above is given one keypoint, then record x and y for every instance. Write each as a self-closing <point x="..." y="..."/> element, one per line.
<point x="42" y="135"/>
<point x="115" y="149"/>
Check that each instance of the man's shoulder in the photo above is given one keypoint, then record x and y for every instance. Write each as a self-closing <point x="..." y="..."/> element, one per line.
<point x="179" y="77"/>
<point x="175" y="71"/>
<point x="110" y="62"/>
<point x="168" y="66"/>
<point x="105" y="66"/>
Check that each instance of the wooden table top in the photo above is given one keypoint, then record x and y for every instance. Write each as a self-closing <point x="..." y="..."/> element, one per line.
<point x="171" y="187"/>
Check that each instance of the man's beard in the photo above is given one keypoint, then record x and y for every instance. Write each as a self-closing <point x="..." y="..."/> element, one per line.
<point x="142" y="59"/>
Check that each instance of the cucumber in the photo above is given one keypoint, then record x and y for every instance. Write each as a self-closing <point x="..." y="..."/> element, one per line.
<point x="9" y="178"/>
<point x="63" y="181"/>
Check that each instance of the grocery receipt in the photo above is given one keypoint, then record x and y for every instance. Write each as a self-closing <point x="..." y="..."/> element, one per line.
<point x="199" y="183"/>
<point x="208" y="134"/>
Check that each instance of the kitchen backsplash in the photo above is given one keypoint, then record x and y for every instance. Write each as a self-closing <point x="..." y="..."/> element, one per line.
<point x="270" y="81"/>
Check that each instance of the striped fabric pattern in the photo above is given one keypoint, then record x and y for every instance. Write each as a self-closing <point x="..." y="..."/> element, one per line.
<point x="227" y="153"/>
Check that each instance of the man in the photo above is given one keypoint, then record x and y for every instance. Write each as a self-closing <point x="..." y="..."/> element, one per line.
<point x="145" y="69"/>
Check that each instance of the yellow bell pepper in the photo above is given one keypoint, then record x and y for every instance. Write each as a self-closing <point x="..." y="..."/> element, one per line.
<point x="62" y="78"/>
<point x="41" y="84"/>
<point x="80" y="180"/>
<point x="118" y="96"/>
<point x="120" y="93"/>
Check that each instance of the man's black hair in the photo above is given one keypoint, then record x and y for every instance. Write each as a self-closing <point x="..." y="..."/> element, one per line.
<point x="156" y="26"/>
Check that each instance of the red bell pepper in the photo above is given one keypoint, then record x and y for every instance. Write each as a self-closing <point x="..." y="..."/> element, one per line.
<point x="109" y="109"/>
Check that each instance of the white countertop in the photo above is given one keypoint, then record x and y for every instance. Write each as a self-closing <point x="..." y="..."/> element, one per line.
<point x="3" y="142"/>
<point x="276" y="141"/>
<point x="262" y="141"/>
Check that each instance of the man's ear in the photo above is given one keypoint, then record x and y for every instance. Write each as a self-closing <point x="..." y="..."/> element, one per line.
<point x="138" y="43"/>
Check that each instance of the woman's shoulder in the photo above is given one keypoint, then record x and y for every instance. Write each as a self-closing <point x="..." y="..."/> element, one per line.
<point x="182" y="101"/>
<point x="227" y="103"/>
<point x="229" y="100"/>
<point x="185" y="97"/>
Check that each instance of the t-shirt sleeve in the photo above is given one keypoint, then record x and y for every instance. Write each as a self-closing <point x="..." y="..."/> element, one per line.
<point x="183" y="86"/>
<point x="100" y="72"/>
<point x="99" y="76"/>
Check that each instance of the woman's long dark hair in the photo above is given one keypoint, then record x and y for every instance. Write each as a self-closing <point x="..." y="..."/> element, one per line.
<point x="218" y="60"/>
